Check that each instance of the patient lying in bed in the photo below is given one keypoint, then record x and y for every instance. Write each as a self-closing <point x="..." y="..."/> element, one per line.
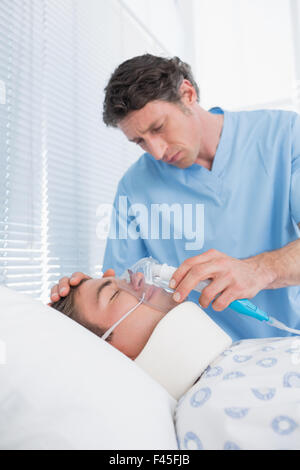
<point x="98" y="303"/>
<point x="247" y="395"/>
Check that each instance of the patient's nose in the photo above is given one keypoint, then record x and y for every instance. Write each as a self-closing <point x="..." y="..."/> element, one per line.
<point x="137" y="280"/>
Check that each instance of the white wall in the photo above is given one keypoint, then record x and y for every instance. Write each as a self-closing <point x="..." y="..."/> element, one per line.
<point x="171" y="22"/>
<point x="295" y="17"/>
<point x="245" y="53"/>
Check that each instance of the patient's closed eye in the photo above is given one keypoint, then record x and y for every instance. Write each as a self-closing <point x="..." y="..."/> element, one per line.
<point x="115" y="294"/>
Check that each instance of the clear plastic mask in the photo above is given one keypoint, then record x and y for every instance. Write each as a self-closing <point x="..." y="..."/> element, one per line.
<point x="153" y="296"/>
<point x="134" y="283"/>
<point x="149" y="268"/>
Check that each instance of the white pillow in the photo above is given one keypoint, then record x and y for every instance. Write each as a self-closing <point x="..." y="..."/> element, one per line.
<point x="62" y="387"/>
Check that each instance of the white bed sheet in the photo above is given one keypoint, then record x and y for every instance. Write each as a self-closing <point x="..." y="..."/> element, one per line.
<point x="62" y="387"/>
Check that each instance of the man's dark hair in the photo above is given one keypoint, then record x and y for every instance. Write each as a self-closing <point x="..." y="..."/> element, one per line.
<point x="142" y="79"/>
<point x="67" y="306"/>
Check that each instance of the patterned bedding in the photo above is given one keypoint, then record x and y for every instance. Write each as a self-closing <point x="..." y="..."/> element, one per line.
<point x="249" y="398"/>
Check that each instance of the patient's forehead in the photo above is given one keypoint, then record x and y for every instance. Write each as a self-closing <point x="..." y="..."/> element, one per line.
<point x="89" y="290"/>
<point x="86" y="298"/>
<point x="87" y="287"/>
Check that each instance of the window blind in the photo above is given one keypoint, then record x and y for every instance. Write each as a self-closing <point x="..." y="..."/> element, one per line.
<point x="20" y="147"/>
<point x="58" y="162"/>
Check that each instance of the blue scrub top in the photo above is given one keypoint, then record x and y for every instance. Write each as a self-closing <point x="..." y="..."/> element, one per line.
<point x="251" y="201"/>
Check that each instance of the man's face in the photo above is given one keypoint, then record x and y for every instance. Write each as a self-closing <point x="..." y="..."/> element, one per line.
<point x="101" y="303"/>
<point x="167" y="131"/>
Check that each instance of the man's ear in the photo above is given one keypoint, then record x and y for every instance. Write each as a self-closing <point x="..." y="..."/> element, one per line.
<point x="188" y="93"/>
<point x="109" y="273"/>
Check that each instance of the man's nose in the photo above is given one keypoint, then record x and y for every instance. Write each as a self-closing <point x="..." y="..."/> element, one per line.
<point x="158" y="148"/>
<point x="137" y="280"/>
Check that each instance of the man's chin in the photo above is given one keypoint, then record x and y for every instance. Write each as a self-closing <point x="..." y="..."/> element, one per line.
<point x="184" y="163"/>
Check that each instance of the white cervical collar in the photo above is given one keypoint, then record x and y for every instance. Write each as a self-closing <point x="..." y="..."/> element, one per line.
<point x="181" y="347"/>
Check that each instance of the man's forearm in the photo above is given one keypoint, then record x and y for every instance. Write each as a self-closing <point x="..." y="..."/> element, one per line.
<point x="280" y="267"/>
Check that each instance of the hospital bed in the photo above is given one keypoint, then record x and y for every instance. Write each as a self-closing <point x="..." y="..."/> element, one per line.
<point x="64" y="388"/>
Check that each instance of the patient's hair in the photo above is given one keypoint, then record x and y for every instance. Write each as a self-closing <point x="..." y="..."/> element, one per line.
<point x="142" y="79"/>
<point x="67" y="306"/>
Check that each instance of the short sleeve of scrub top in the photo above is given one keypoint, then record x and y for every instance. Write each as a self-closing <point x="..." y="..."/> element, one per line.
<point x="295" y="177"/>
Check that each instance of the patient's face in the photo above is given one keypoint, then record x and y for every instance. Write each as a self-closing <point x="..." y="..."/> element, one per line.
<point x="102" y="303"/>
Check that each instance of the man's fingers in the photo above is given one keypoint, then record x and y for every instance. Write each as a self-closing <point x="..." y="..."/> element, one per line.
<point x="54" y="295"/>
<point x="60" y="290"/>
<point x="109" y="273"/>
<point x="210" y="292"/>
<point x="74" y="280"/>
<point x="224" y="300"/>
<point x="196" y="274"/>
<point x="179" y="274"/>
<point x="63" y="287"/>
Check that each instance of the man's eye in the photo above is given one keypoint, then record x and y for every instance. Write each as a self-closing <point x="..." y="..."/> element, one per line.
<point x="158" y="129"/>
<point x="115" y="294"/>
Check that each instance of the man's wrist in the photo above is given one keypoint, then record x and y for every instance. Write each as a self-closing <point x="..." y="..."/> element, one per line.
<point x="265" y="269"/>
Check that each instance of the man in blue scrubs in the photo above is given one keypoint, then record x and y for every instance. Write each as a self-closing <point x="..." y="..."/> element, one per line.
<point x="226" y="185"/>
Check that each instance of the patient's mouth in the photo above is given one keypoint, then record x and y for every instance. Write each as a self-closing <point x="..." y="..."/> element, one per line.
<point x="150" y="290"/>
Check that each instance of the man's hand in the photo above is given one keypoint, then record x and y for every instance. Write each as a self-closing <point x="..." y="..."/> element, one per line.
<point x="230" y="277"/>
<point x="63" y="287"/>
